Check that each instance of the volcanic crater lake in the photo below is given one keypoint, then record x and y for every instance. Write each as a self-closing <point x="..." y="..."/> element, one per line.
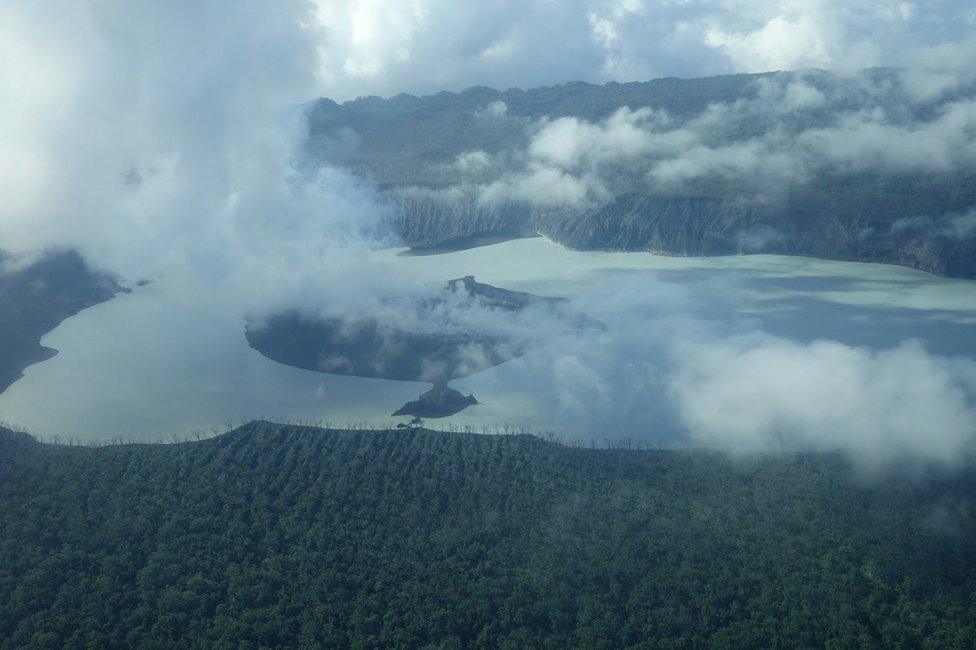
<point x="158" y="362"/>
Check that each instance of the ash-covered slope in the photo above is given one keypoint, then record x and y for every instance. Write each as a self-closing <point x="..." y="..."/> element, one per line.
<point x="36" y="298"/>
<point x="793" y="163"/>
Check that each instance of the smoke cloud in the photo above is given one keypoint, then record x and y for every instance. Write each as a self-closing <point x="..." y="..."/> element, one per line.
<point x="160" y="141"/>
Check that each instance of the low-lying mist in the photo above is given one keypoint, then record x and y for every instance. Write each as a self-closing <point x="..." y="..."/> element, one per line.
<point x="698" y="362"/>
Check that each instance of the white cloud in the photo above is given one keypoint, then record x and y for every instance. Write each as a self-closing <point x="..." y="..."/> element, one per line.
<point x="496" y="109"/>
<point x="377" y="47"/>
<point x="472" y="161"/>
<point x="540" y="185"/>
<point x="663" y="371"/>
<point x="579" y="388"/>
<point x="780" y="44"/>
<point x="799" y="96"/>
<point x="569" y="142"/>
<point x="631" y="145"/>
<point x="160" y="141"/>
<point x="939" y="68"/>
<point x="880" y="406"/>
<point x="868" y="140"/>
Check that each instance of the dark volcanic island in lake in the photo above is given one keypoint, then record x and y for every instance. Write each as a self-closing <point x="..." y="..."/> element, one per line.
<point x="437" y="353"/>
<point x="439" y="402"/>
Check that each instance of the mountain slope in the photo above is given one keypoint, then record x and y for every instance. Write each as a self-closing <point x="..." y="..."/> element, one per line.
<point x="35" y="299"/>
<point x="826" y="177"/>
<point x="280" y="535"/>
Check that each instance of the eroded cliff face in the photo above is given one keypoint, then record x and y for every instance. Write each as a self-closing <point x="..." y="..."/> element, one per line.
<point x="671" y="225"/>
<point x="693" y="226"/>
<point x="428" y="221"/>
<point x="451" y="166"/>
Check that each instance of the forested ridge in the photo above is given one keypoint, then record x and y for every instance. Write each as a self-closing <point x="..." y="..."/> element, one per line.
<point x="275" y="535"/>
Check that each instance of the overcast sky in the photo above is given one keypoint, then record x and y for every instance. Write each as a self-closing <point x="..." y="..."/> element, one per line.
<point x="418" y="46"/>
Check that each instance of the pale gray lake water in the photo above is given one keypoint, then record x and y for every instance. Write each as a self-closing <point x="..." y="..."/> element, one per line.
<point x="153" y="362"/>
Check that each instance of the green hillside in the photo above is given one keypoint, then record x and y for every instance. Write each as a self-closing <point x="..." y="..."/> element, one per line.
<point x="275" y="535"/>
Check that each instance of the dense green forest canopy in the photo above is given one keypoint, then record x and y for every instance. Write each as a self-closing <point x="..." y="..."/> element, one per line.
<point x="274" y="535"/>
